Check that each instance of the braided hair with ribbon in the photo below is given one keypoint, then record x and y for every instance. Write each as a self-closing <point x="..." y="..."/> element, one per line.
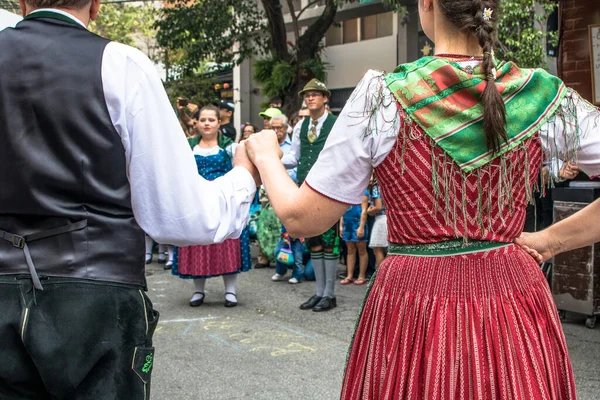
<point x="479" y="17"/>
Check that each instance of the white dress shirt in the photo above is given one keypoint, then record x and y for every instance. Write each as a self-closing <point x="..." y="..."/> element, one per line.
<point x="291" y="158"/>
<point x="170" y="201"/>
<point x="357" y="144"/>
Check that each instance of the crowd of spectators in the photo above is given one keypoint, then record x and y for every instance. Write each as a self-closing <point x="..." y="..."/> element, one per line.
<point x="275" y="248"/>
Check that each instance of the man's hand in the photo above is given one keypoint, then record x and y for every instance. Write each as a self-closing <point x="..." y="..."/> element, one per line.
<point x="537" y="244"/>
<point x="569" y="171"/>
<point x="263" y="144"/>
<point x="241" y="160"/>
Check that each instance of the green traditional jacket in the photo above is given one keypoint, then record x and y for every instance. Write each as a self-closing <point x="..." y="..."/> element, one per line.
<point x="309" y="152"/>
<point x="223" y="140"/>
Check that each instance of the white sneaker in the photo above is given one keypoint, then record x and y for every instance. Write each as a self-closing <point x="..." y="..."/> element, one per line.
<point x="293" y="281"/>
<point x="278" y="277"/>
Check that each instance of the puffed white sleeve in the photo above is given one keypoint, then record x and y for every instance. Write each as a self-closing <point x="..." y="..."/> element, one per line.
<point x="362" y="136"/>
<point x="231" y="149"/>
<point x="170" y="201"/>
<point x="573" y="134"/>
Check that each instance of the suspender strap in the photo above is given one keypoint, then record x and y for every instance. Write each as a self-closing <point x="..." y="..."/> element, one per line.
<point x="20" y="242"/>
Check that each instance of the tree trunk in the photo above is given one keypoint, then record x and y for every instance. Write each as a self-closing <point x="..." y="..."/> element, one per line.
<point x="310" y="42"/>
<point x="308" y="46"/>
<point x="277" y="31"/>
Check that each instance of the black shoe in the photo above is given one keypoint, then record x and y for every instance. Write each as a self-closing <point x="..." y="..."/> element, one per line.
<point x="168" y="265"/>
<point x="197" y="302"/>
<point x="162" y="258"/>
<point x="230" y="303"/>
<point x="148" y="258"/>
<point x="259" y="266"/>
<point x="313" y="301"/>
<point x="326" y="304"/>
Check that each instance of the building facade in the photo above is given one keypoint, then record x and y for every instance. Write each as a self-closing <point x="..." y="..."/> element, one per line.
<point x="575" y="66"/>
<point x="370" y="36"/>
<point x="365" y="36"/>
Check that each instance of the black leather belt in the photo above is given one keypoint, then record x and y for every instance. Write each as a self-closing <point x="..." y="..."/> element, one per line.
<point x="20" y="242"/>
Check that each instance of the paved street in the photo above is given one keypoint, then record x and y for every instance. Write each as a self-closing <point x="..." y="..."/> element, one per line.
<point x="267" y="348"/>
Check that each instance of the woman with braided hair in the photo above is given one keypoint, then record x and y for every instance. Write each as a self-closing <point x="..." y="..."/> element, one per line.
<point x="456" y="141"/>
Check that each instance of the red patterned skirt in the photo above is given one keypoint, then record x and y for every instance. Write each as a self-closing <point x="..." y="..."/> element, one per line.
<point x="476" y="326"/>
<point x="210" y="260"/>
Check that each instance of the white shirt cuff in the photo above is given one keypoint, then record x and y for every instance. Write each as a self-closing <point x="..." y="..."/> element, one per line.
<point x="245" y="179"/>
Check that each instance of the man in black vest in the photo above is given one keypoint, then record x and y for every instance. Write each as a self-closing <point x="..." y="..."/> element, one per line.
<point x="308" y="140"/>
<point x="92" y="156"/>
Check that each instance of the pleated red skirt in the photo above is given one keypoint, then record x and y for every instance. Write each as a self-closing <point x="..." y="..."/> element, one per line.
<point x="477" y="326"/>
<point x="210" y="260"/>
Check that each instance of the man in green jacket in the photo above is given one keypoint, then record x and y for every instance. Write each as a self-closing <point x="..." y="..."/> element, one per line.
<point x="308" y="140"/>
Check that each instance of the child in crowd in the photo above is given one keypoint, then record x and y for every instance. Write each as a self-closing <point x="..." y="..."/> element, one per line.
<point x="289" y="252"/>
<point x="378" y="241"/>
<point x="353" y="229"/>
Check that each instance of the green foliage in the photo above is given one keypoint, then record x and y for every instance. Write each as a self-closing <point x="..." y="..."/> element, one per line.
<point x="279" y="77"/>
<point x="127" y="24"/>
<point x="274" y="76"/>
<point x="10" y="5"/>
<point x="284" y="74"/>
<point x="199" y="89"/>
<point x="232" y="30"/>
<point x="519" y="36"/>
<point x="315" y="67"/>
<point x="219" y="30"/>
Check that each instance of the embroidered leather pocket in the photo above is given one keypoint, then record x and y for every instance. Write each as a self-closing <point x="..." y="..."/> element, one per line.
<point x="143" y="361"/>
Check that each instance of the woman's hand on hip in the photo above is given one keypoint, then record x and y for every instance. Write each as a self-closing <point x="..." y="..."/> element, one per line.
<point x="537" y="244"/>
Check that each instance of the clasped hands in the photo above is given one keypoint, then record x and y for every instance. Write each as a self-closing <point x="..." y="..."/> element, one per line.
<point x="254" y="151"/>
<point x="262" y="146"/>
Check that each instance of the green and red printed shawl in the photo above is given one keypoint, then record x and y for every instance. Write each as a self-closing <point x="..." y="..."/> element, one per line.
<point x="445" y="102"/>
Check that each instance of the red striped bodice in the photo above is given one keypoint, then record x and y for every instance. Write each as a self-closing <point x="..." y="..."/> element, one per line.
<point x="428" y="198"/>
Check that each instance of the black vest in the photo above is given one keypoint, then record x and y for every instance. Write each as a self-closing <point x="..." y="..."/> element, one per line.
<point x="62" y="163"/>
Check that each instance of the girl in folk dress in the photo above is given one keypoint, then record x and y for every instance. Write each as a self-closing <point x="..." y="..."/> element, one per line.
<point x="225" y="259"/>
<point x="456" y="140"/>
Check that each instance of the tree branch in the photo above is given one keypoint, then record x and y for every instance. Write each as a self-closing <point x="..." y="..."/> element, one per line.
<point x="294" y="21"/>
<point x="277" y="31"/>
<point x="309" y="42"/>
<point x="306" y="7"/>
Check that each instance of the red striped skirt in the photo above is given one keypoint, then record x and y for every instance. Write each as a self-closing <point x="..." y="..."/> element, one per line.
<point x="476" y="326"/>
<point x="210" y="260"/>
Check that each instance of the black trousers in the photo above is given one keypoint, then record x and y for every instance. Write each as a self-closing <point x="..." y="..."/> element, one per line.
<point x="75" y="340"/>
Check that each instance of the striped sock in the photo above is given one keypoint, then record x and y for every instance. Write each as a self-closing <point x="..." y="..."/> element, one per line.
<point x="331" y="267"/>
<point x="319" y="268"/>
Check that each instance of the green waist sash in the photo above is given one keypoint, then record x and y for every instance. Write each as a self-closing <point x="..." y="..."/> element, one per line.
<point x="447" y="248"/>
